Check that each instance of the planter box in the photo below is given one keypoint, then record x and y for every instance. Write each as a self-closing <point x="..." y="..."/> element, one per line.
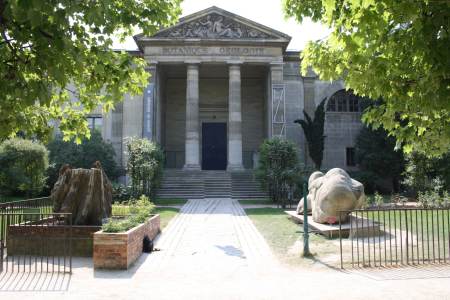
<point x="120" y="250"/>
<point x="40" y="238"/>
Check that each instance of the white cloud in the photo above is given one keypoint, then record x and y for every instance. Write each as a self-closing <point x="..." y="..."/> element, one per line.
<point x="266" y="12"/>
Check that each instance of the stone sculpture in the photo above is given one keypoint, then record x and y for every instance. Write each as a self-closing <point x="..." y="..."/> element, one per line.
<point x="86" y="193"/>
<point x="212" y="27"/>
<point x="331" y="193"/>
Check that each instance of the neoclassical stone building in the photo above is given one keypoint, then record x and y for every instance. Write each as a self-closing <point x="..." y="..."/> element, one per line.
<point x="220" y="85"/>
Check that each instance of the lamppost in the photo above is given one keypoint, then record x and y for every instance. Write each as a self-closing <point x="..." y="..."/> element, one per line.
<point x="305" y="220"/>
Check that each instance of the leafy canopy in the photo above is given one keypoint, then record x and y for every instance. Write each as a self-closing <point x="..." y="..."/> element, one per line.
<point x="55" y="51"/>
<point x="391" y="49"/>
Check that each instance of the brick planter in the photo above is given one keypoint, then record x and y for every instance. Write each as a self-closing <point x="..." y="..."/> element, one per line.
<point x="37" y="238"/>
<point x="120" y="250"/>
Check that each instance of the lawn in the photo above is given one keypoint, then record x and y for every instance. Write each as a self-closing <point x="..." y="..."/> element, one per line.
<point x="285" y="238"/>
<point x="168" y="202"/>
<point x="416" y="221"/>
<point x="256" y="201"/>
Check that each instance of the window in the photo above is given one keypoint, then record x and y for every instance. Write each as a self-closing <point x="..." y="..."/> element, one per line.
<point x="350" y="157"/>
<point x="344" y="101"/>
<point x="95" y="122"/>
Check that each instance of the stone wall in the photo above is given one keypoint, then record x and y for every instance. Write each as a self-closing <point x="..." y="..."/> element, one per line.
<point x="120" y="250"/>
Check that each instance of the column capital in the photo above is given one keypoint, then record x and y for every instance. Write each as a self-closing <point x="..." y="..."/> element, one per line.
<point x="237" y="63"/>
<point x="151" y="67"/>
<point x="193" y="62"/>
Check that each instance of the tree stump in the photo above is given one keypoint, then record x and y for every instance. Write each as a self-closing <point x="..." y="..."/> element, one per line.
<point x="86" y="193"/>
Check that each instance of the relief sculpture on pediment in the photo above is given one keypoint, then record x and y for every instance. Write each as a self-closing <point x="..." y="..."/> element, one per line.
<point x="214" y="26"/>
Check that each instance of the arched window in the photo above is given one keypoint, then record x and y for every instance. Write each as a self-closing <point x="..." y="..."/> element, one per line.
<point x="344" y="101"/>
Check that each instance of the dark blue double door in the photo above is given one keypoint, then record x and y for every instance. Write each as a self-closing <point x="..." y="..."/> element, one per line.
<point x="214" y="146"/>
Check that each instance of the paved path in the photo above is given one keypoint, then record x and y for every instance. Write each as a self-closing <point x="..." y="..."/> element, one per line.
<point x="211" y="250"/>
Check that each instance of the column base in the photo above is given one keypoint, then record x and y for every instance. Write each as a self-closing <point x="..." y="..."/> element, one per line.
<point x="235" y="168"/>
<point x="191" y="168"/>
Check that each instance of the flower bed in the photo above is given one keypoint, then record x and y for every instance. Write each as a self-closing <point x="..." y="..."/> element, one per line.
<point x="120" y="250"/>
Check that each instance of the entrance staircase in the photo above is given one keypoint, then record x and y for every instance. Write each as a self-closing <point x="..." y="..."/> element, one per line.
<point x="209" y="184"/>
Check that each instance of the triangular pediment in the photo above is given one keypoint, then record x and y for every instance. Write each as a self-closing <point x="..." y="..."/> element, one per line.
<point x="215" y="23"/>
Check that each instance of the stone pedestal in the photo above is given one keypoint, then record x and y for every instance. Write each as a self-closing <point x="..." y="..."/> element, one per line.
<point x="192" y="143"/>
<point x="234" y="120"/>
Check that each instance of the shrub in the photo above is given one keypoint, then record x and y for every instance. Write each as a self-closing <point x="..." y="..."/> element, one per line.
<point x="121" y="193"/>
<point x="376" y="155"/>
<point x="421" y="172"/>
<point x="137" y="212"/>
<point x="82" y="156"/>
<point x="145" y="166"/>
<point x="23" y="166"/>
<point x="278" y="169"/>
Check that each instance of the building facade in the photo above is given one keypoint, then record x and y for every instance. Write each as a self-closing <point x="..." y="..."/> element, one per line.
<point x="220" y="84"/>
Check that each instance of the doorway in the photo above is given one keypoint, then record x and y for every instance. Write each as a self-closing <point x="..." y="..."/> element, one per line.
<point x="214" y="146"/>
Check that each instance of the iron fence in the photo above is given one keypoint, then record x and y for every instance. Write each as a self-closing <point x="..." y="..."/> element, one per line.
<point x="42" y="205"/>
<point x="36" y="242"/>
<point x="382" y="237"/>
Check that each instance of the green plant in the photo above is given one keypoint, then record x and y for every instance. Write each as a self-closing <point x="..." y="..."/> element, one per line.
<point x="145" y="166"/>
<point x="278" y="168"/>
<point x="57" y="61"/>
<point x="121" y="193"/>
<point x="395" y="50"/>
<point x="313" y="130"/>
<point x="375" y="153"/>
<point x="423" y="173"/>
<point x="23" y="166"/>
<point x="82" y="156"/>
<point x="136" y="212"/>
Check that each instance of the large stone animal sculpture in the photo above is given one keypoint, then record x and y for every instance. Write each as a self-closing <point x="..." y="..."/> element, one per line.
<point x="330" y="194"/>
<point x="86" y="193"/>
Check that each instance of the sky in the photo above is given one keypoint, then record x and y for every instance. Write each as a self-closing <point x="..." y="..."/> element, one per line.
<point x="266" y="12"/>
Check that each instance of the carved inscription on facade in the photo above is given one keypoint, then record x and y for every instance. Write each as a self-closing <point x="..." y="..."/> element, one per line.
<point x="214" y="26"/>
<point x="225" y="51"/>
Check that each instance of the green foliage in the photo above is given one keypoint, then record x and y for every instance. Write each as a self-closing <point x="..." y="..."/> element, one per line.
<point x="137" y="212"/>
<point x="121" y="193"/>
<point x="278" y="168"/>
<point x="145" y="165"/>
<point x="424" y="174"/>
<point x="375" y="153"/>
<point x="52" y="51"/>
<point x="82" y="156"/>
<point x="23" y="166"/>
<point x="395" y="50"/>
<point x="314" y="130"/>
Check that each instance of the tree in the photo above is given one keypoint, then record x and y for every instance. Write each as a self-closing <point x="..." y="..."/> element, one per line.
<point x="23" y="166"/>
<point x="83" y="155"/>
<point x="145" y="166"/>
<point x="313" y="130"/>
<point x="57" y="50"/>
<point x="422" y="173"/>
<point x="278" y="168"/>
<point x="394" y="50"/>
<point x="375" y="153"/>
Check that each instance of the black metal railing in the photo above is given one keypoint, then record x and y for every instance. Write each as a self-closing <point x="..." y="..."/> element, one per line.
<point x="42" y="205"/>
<point x="382" y="237"/>
<point x="40" y="242"/>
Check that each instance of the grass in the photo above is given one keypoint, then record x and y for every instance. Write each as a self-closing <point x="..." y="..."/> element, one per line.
<point x="429" y="220"/>
<point x="256" y="201"/>
<point x="174" y="201"/>
<point x="285" y="238"/>
<point x="166" y="214"/>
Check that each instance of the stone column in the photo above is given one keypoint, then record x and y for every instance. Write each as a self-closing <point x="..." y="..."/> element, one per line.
<point x="148" y="126"/>
<point x="192" y="144"/>
<point x="234" y="119"/>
